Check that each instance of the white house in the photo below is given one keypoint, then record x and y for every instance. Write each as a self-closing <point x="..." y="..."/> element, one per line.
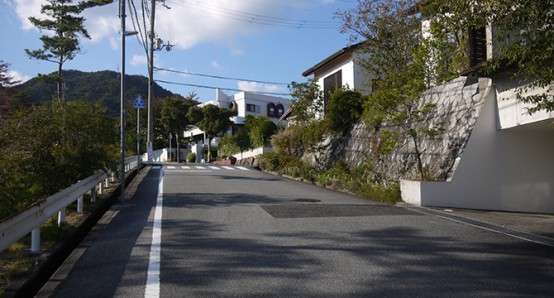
<point x="245" y="103"/>
<point x="341" y="69"/>
<point x="508" y="161"/>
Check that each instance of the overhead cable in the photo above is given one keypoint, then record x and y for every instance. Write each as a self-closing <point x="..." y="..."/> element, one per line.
<point x="217" y="77"/>
<point x="221" y="88"/>
<point x="258" y="18"/>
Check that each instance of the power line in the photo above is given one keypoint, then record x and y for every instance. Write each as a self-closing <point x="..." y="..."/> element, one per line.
<point x="218" y="77"/>
<point x="258" y="18"/>
<point x="221" y="88"/>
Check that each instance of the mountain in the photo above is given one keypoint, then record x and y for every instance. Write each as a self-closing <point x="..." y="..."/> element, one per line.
<point x="96" y="87"/>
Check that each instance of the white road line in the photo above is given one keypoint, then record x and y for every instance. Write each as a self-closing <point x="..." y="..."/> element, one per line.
<point x="200" y="167"/>
<point x="153" y="279"/>
<point x="214" y="167"/>
<point x="156" y="167"/>
<point x="171" y="167"/>
<point x="242" y="168"/>
<point x="185" y="167"/>
<point x="227" y="168"/>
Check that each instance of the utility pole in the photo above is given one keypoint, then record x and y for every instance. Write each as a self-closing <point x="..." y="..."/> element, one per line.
<point x="151" y="36"/>
<point x="122" y="104"/>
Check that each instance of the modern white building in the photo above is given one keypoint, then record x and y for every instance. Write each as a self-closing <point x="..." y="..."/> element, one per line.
<point x="245" y="103"/>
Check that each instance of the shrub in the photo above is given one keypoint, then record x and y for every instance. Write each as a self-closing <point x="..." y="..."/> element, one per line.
<point x="344" y="109"/>
<point x="269" y="161"/>
<point x="191" y="157"/>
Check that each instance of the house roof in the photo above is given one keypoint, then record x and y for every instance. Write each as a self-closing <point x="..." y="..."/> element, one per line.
<point x="345" y="50"/>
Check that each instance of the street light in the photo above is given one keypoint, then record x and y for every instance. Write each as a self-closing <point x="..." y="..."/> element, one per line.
<point x="122" y="100"/>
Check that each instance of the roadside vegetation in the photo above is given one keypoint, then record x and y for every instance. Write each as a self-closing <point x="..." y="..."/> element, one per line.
<point x="256" y="132"/>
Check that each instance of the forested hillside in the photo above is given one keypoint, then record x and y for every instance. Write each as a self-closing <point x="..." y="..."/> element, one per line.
<point x="96" y="87"/>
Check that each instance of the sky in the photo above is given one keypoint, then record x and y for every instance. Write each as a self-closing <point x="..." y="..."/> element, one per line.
<point x="248" y="45"/>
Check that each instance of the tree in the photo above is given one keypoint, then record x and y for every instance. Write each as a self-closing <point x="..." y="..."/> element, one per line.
<point x="306" y="128"/>
<point x="525" y="24"/>
<point x="62" y="18"/>
<point x="173" y="115"/>
<point x="307" y="100"/>
<point x="49" y="147"/>
<point x="212" y="120"/>
<point x="6" y="90"/>
<point x="260" y="129"/>
<point x="398" y="58"/>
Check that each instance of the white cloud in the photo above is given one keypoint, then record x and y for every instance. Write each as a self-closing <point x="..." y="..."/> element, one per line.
<point x="139" y="60"/>
<point x="17" y="76"/>
<point x="186" y="24"/>
<point x="216" y="65"/>
<point x="260" y="87"/>
<point x="25" y="9"/>
<point x="101" y="22"/>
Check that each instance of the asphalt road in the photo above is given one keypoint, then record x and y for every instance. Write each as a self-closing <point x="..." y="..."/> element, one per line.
<point x="232" y="232"/>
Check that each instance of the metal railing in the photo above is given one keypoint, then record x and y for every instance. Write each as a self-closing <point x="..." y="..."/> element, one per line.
<point x="29" y="220"/>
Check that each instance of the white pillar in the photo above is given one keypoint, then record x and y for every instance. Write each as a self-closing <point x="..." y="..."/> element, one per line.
<point x="80" y="204"/>
<point x="35" y="240"/>
<point x="61" y="217"/>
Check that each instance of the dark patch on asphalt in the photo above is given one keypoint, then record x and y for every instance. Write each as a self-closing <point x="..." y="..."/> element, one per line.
<point x="333" y="210"/>
<point x="307" y="200"/>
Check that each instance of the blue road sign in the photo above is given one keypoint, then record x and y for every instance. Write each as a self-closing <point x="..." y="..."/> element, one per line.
<point x="139" y="103"/>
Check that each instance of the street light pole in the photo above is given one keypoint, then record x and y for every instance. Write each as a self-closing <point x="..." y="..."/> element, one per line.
<point x="122" y="100"/>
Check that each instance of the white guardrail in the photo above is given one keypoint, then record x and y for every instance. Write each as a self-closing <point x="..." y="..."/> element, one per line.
<point x="29" y="220"/>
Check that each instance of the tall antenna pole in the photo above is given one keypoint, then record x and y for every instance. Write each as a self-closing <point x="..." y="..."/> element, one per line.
<point x="150" y="82"/>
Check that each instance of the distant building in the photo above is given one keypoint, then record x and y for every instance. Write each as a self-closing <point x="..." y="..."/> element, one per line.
<point x="245" y="103"/>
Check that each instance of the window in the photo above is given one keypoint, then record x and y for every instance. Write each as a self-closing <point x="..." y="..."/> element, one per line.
<point x="250" y="108"/>
<point x="280" y="110"/>
<point x="330" y="84"/>
<point x="477" y="46"/>
<point x="270" y="109"/>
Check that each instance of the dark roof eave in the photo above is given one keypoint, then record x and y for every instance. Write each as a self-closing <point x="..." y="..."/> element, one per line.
<point x="334" y="56"/>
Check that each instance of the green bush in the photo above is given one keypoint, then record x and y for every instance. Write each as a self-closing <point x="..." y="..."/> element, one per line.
<point x="191" y="157"/>
<point x="345" y="107"/>
<point x="269" y="162"/>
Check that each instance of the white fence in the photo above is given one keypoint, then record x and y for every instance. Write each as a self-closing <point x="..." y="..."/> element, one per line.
<point x="253" y="152"/>
<point x="29" y="220"/>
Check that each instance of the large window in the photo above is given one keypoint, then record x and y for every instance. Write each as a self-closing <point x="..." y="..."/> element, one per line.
<point x="330" y="84"/>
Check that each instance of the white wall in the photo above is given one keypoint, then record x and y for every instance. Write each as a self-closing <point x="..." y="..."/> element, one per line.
<point x="509" y="169"/>
<point x="511" y="112"/>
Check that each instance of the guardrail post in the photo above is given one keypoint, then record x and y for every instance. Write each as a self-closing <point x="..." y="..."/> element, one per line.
<point x="93" y="194"/>
<point x="61" y="217"/>
<point x="101" y="188"/>
<point x="80" y="204"/>
<point x="35" y="240"/>
<point x="112" y="177"/>
<point x="107" y="182"/>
